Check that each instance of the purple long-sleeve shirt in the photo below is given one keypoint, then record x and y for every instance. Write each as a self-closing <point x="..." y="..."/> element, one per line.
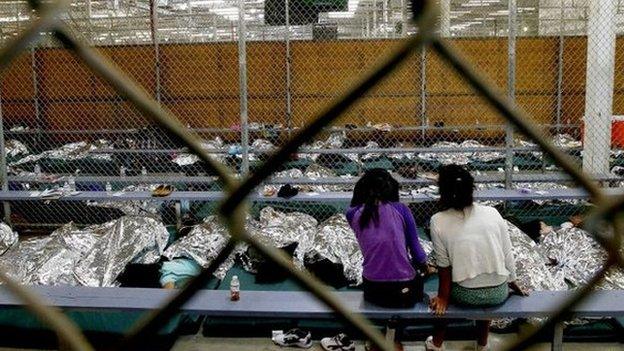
<point x="384" y="243"/>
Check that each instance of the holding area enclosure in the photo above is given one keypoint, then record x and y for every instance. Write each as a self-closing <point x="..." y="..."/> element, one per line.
<point x="253" y="121"/>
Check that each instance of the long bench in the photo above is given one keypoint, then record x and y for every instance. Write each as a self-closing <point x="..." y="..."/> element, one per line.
<point x="483" y="195"/>
<point x="303" y="305"/>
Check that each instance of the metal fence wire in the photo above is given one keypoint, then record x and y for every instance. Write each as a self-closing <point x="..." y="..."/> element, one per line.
<point x="122" y="90"/>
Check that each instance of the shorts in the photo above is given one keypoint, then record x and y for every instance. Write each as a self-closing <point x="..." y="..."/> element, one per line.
<point x="393" y="294"/>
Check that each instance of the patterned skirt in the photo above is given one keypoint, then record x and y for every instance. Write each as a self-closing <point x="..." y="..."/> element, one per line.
<point x="489" y="296"/>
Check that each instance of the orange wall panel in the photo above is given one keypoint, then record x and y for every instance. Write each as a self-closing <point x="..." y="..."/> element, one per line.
<point x="536" y="65"/>
<point x="199" y="70"/>
<point x="17" y="79"/>
<point x="63" y="76"/>
<point x="489" y="55"/>
<point x="266" y="68"/>
<point x="79" y="115"/>
<point x="207" y="113"/>
<point x="18" y="113"/>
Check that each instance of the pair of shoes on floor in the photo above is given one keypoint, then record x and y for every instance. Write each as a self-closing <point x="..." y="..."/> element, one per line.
<point x="340" y="342"/>
<point x="293" y="338"/>
<point x="430" y="346"/>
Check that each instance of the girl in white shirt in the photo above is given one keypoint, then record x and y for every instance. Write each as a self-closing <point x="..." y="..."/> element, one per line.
<point x="472" y="249"/>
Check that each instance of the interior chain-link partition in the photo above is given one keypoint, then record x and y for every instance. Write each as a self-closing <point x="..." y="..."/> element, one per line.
<point x="271" y="84"/>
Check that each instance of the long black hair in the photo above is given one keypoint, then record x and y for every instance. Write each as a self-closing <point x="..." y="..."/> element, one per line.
<point x="376" y="186"/>
<point x="456" y="187"/>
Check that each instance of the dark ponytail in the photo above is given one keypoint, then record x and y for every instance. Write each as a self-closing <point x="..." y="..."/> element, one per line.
<point x="376" y="186"/>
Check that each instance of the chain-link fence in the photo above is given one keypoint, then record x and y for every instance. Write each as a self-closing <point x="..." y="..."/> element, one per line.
<point x="77" y="150"/>
<point x="246" y="94"/>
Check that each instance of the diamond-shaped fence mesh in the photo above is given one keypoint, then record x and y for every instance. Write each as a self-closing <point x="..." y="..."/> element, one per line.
<point x="247" y="76"/>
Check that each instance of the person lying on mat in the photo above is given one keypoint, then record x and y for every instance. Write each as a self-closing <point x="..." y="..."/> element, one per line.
<point x="472" y="249"/>
<point x="178" y="272"/>
<point x="394" y="260"/>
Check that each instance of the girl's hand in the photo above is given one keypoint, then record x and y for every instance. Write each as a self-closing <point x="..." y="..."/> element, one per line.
<point x="517" y="290"/>
<point x="438" y="306"/>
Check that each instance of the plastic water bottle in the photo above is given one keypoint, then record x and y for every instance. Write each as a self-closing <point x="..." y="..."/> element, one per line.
<point x="144" y="171"/>
<point x="122" y="171"/>
<point x="235" y="289"/>
<point x="37" y="169"/>
<point x="72" y="183"/>
<point x="109" y="187"/>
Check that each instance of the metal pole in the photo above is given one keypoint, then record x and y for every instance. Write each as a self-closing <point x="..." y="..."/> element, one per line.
<point x="154" y="29"/>
<point x="423" y="92"/>
<point x="560" y="82"/>
<point x="288" y="73"/>
<point x="384" y="16"/>
<point x="511" y="87"/>
<point x="36" y="101"/>
<point x="445" y="18"/>
<point x="3" y="168"/>
<point x="214" y="26"/>
<point x="601" y="44"/>
<point x="403" y="19"/>
<point x="242" y="74"/>
<point x="375" y="17"/>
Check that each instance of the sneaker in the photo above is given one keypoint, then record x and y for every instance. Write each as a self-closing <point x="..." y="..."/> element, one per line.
<point x="430" y="346"/>
<point x="294" y="338"/>
<point x="340" y="342"/>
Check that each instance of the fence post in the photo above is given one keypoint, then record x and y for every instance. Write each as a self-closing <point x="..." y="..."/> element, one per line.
<point x="154" y="30"/>
<point x="289" y="125"/>
<point x="242" y="76"/>
<point x="3" y="167"/>
<point x="36" y="101"/>
<point x="511" y="89"/>
<point x="560" y="71"/>
<point x="601" y="29"/>
<point x="423" y="93"/>
<point x="445" y="18"/>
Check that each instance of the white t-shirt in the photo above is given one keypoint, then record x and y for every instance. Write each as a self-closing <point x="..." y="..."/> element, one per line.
<point x="476" y="244"/>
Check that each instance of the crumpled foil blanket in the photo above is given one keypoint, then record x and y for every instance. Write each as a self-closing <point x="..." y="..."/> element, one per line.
<point x="93" y="256"/>
<point x="130" y="239"/>
<point x="204" y="242"/>
<point x="336" y="242"/>
<point x="73" y="151"/>
<point x="187" y="159"/>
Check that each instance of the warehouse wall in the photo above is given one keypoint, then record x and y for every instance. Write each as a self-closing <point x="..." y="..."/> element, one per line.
<point x="199" y="83"/>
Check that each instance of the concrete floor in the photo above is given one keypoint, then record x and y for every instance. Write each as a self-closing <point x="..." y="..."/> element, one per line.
<point x="194" y="343"/>
<point x="197" y="343"/>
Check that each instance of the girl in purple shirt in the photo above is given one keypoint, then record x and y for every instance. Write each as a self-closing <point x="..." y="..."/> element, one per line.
<point x="394" y="260"/>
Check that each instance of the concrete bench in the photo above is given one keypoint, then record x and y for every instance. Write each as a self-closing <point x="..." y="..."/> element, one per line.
<point x="303" y="305"/>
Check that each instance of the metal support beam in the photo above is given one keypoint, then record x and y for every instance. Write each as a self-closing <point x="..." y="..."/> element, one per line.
<point x="375" y="24"/>
<point x="560" y="70"/>
<point x="557" y="342"/>
<point x="3" y="168"/>
<point x="36" y="99"/>
<point x="423" y="93"/>
<point x="601" y="29"/>
<point x="404" y="20"/>
<point x="560" y="84"/>
<point x="289" y="124"/>
<point x="242" y="74"/>
<point x="154" y="30"/>
<point x="445" y="18"/>
<point x="511" y="89"/>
